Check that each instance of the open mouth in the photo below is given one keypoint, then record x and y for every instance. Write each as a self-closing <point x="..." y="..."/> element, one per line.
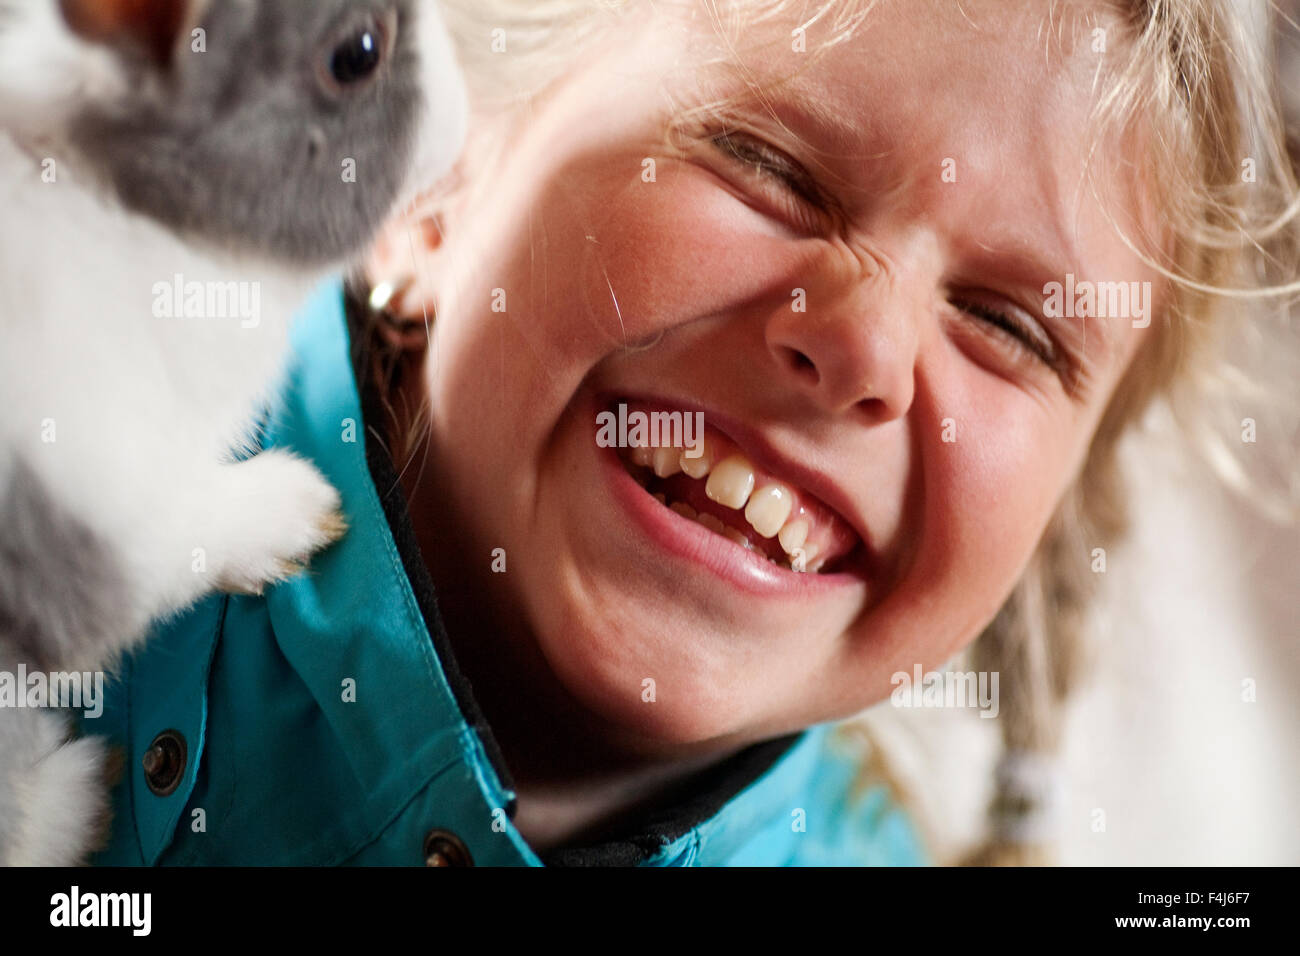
<point x="715" y="484"/>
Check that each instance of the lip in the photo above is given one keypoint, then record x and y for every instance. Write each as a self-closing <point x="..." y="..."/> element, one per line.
<point x="688" y="540"/>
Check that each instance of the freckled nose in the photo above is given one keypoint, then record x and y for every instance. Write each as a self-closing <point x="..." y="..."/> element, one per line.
<point x="852" y="354"/>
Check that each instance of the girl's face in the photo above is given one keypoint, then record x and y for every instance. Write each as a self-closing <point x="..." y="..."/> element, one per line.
<point x="824" y="284"/>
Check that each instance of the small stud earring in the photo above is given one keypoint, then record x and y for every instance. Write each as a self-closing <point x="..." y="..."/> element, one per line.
<point x="385" y="294"/>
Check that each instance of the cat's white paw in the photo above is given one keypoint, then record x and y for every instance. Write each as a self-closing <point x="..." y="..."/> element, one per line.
<point x="282" y="512"/>
<point x="57" y="807"/>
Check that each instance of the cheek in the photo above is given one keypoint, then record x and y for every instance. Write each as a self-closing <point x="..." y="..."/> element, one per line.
<point x="997" y="484"/>
<point x="657" y="255"/>
<point x="988" y="494"/>
<point x="544" y="297"/>
<point x="1001" y="480"/>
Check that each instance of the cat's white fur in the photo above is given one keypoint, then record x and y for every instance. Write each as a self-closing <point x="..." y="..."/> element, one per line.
<point x="59" y="791"/>
<point x="145" y="411"/>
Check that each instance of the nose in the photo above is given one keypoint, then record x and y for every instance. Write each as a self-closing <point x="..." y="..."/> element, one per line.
<point x="853" y="351"/>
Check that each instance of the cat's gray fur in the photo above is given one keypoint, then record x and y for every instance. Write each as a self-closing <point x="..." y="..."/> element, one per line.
<point x="239" y="146"/>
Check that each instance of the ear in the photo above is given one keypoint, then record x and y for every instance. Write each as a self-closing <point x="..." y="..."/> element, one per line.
<point x="153" y="26"/>
<point x="402" y="267"/>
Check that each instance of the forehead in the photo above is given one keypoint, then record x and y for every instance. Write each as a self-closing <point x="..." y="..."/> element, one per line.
<point x="918" y="60"/>
<point x="1004" y="89"/>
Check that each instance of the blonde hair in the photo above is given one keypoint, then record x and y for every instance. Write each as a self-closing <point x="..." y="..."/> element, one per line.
<point x="1194" y="79"/>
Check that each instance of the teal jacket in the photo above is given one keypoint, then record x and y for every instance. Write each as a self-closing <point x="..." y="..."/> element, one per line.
<point x="326" y="722"/>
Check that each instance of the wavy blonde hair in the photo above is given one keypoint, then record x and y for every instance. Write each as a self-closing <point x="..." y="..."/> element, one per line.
<point x="1194" y="76"/>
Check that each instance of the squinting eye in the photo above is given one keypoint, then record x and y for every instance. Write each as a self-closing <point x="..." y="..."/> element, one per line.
<point x="1013" y="328"/>
<point x="772" y="163"/>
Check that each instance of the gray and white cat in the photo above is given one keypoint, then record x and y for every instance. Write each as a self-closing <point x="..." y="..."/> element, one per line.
<point x="175" y="176"/>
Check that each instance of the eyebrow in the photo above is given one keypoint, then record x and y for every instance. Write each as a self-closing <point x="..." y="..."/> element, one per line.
<point x="827" y="125"/>
<point x="1023" y="257"/>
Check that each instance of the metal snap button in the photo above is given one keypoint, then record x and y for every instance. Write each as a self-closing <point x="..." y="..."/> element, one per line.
<point x="444" y="848"/>
<point x="164" y="763"/>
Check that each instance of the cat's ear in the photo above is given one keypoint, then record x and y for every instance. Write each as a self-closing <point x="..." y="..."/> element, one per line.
<point x="152" y="26"/>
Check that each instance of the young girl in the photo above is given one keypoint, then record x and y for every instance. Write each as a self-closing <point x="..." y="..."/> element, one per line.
<point x="917" y="264"/>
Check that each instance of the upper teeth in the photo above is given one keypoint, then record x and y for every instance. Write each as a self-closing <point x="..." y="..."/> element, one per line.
<point x="768" y="508"/>
<point x="667" y="461"/>
<point x="695" y="467"/>
<point x="731" y="482"/>
<point x="793" y="535"/>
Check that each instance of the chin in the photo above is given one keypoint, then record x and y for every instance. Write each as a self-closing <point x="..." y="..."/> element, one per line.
<point x="605" y="667"/>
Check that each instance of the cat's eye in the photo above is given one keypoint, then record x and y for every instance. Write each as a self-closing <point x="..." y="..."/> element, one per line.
<point x="355" y="53"/>
<point x="356" y="57"/>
